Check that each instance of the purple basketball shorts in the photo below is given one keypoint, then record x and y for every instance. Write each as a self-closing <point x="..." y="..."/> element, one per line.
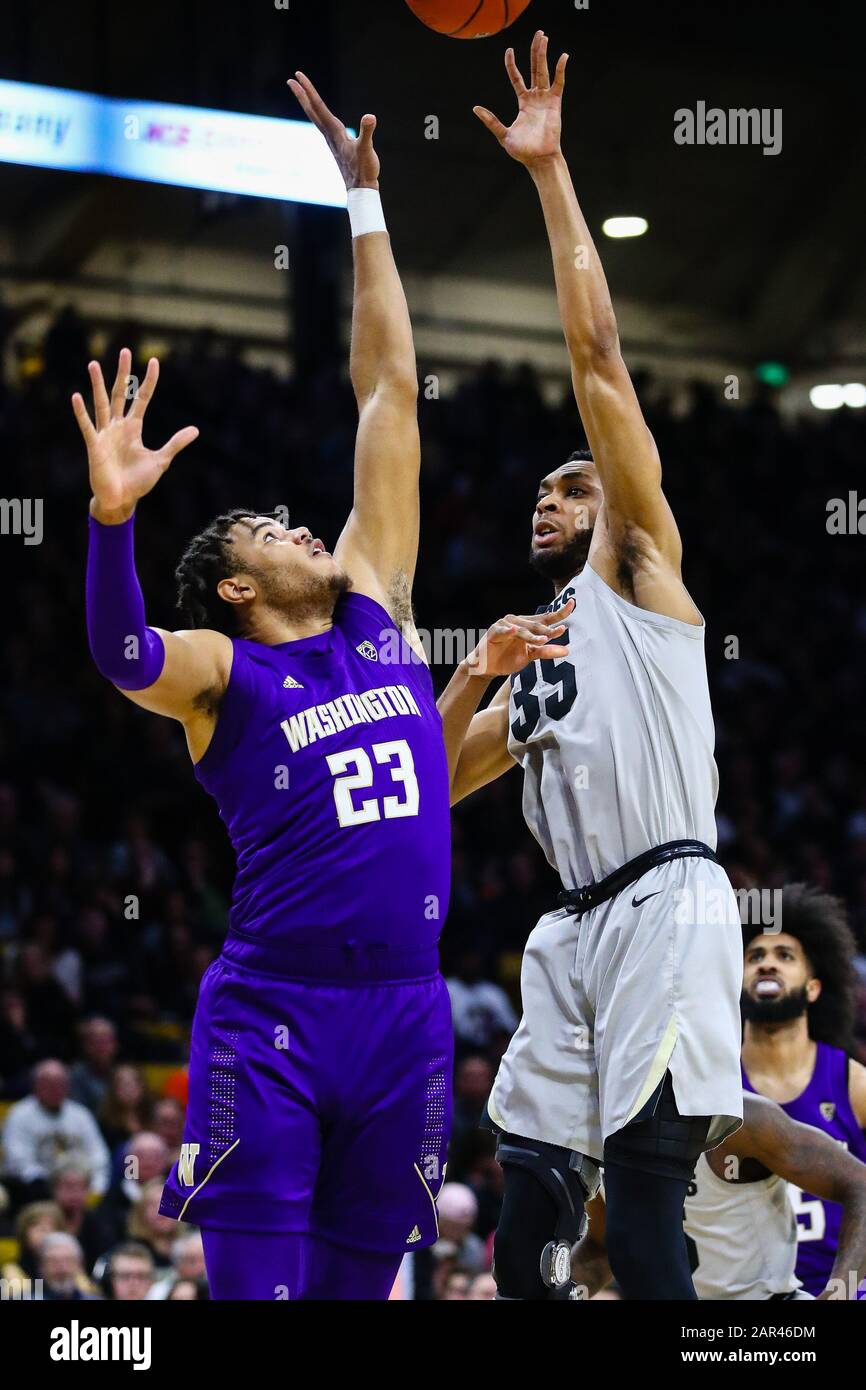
<point x="320" y="1108"/>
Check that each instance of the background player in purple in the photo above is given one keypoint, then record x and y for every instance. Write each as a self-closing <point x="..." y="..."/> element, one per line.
<point x="798" y="1006"/>
<point x="321" y="1053"/>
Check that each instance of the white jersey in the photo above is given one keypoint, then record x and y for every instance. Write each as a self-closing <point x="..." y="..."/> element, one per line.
<point x="744" y="1236"/>
<point x="616" y="739"/>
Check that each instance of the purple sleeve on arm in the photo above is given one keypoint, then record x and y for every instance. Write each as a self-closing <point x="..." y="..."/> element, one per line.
<point x="126" y="651"/>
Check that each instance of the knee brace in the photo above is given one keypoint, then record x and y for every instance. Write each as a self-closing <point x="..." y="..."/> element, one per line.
<point x="542" y="1217"/>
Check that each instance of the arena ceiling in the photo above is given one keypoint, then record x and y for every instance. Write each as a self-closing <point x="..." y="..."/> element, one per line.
<point x="772" y="242"/>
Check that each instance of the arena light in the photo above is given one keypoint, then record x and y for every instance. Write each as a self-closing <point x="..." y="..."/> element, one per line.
<point x="618" y="227"/>
<point x="189" y="146"/>
<point x="772" y="373"/>
<point x="828" y="397"/>
<point x="832" y="396"/>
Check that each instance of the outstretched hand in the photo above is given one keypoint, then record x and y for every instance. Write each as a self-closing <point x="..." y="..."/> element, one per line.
<point x="122" y="470"/>
<point x="515" y="641"/>
<point x="355" y="156"/>
<point x="535" y="133"/>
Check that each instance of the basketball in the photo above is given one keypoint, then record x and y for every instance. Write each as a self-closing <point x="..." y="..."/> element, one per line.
<point x="467" y="19"/>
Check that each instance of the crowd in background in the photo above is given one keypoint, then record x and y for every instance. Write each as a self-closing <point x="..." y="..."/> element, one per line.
<point x="115" y="871"/>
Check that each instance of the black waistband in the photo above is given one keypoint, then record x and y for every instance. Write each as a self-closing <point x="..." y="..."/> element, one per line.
<point x="579" y="900"/>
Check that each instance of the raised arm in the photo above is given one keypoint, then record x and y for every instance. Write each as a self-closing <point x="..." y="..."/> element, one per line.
<point x="178" y="674"/>
<point x="379" y="544"/>
<point x="814" y="1162"/>
<point x="477" y="742"/>
<point x="636" y="546"/>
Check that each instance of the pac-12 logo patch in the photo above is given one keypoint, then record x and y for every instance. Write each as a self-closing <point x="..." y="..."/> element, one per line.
<point x="291" y="684"/>
<point x="186" y="1164"/>
<point x="828" y="1109"/>
<point x="368" y="650"/>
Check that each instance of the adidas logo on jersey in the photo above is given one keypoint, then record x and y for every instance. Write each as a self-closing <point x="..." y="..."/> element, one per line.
<point x="291" y="684"/>
<point x="828" y="1109"/>
<point x="368" y="650"/>
<point x="413" y="1236"/>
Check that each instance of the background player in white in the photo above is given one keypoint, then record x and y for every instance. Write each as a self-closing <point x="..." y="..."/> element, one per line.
<point x="740" y="1227"/>
<point x="628" y="1051"/>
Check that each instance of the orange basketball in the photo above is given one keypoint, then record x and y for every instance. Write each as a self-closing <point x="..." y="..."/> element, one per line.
<point x="467" y="19"/>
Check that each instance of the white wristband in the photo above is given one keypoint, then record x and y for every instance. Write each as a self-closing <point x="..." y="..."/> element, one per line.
<point x="365" y="211"/>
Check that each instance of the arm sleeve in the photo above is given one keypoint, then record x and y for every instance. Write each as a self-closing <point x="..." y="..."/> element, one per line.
<point x="126" y="651"/>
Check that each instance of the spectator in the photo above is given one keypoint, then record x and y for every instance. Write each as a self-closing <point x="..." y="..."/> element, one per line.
<point x="91" y="1074"/>
<point x="19" y="1049"/>
<point x="35" y="1221"/>
<point x="92" y="1226"/>
<point x="482" y="1289"/>
<point x="168" y="1120"/>
<point x="149" y="1228"/>
<point x="47" y="1125"/>
<point x="189" y="1289"/>
<point x="187" y="1263"/>
<point x="481" y="1009"/>
<point x="61" y="1269"/>
<point x="472" y="1083"/>
<point x="458" y="1210"/>
<point x="145" y="1159"/>
<point x="129" y="1272"/>
<point x="126" y="1107"/>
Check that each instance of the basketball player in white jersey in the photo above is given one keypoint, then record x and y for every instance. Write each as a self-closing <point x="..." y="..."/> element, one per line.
<point x="628" y="1050"/>
<point x="740" y="1226"/>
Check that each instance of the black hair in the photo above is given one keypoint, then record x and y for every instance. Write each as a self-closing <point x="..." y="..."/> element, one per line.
<point x="581" y="456"/>
<point x="208" y="558"/>
<point x="819" y="922"/>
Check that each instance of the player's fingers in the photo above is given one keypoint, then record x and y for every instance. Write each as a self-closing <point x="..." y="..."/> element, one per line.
<point x="493" y="123"/>
<point x="177" y="442"/>
<point x="302" y="97"/>
<point x="552" y="652"/>
<point x="558" y="613"/>
<point x="316" y="109"/>
<point x="530" y="637"/>
<point x="101" y="406"/>
<point x="368" y="126"/>
<point x="543" y="70"/>
<point x="144" y="394"/>
<point x="85" y="424"/>
<point x="542" y="628"/>
<point x="121" y="384"/>
<point x="540" y="76"/>
<point x="514" y="73"/>
<point x="559" y="76"/>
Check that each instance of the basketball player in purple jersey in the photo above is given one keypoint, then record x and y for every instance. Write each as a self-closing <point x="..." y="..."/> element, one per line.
<point x="321" y="1053"/>
<point x="798" y="1006"/>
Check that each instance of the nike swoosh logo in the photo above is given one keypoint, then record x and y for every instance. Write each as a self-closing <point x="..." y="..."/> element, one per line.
<point x="636" y="902"/>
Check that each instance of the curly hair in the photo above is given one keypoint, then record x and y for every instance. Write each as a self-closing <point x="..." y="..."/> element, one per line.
<point x="208" y="558"/>
<point x="819" y="922"/>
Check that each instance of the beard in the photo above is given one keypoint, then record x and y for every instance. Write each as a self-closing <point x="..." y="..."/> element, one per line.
<point x="781" y="1010"/>
<point x="313" y="596"/>
<point x="562" y="562"/>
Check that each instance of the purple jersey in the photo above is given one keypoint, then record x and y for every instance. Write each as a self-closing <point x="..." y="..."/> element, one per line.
<point x="329" y="770"/>
<point x="825" y="1104"/>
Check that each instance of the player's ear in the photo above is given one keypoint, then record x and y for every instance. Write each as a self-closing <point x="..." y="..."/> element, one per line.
<point x="235" y="590"/>
<point x="813" y="990"/>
